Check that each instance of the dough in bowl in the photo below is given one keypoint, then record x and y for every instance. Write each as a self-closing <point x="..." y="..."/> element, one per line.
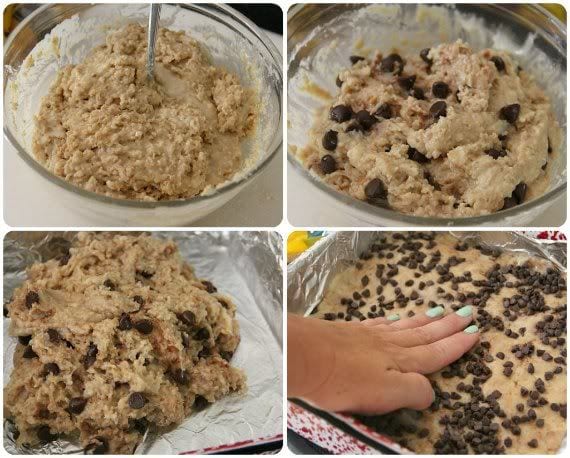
<point x="447" y="132"/>
<point x="104" y="127"/>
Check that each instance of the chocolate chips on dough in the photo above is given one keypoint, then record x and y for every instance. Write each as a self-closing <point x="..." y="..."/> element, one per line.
<point x="448" y="131"/>
<point x="506" y="395"/>
<point x="105" y="128"/>
<point x="114" y="336"/>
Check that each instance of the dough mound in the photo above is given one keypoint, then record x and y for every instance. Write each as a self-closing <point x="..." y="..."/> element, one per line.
<point x="431" y="133"/>
<point x="105" y="128"/>
<point x="508" y="393"/>
<point x="115" y="336"/>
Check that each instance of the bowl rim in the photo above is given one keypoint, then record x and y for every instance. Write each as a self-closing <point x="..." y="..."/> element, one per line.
<point x="376" y="212"/>
<point x="276" y="61"/>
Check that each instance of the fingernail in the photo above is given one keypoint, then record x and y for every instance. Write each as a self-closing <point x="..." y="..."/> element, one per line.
<point x="471" y="329"/>
<point x="465" y="311"/>
<point x="435" y="311"/>
<point x="394" y="317"/>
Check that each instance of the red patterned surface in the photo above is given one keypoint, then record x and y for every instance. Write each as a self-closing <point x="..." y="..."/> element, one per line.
<point x="547" y="235"/>
<point x="323" y="434"/>
<point x="234" y="446"/>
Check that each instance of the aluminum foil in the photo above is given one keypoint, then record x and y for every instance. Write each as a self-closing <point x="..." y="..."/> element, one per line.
<point x="244" y="265"/>
<point x="309" y="275"/>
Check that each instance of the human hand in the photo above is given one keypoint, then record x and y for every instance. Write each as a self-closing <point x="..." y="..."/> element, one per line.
<point x="374" y="366"/>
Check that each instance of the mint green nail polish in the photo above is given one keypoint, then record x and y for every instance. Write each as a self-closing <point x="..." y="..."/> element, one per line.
<point x="471" y="329"/>
<point x="394" y="317"/>
<point x="435" y="311"/>
<point x="465" y="311"/>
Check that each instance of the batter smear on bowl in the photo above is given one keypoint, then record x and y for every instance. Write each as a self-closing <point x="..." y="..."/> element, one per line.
<point x="105" y="128"/>
<point x="114" y="336"/>
<point x="447" y="132"/>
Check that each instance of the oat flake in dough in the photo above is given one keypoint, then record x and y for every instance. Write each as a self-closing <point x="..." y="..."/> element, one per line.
<point x="458" y="178"/>
<point x="86" y="347"/>
<point x="103" y="127"/>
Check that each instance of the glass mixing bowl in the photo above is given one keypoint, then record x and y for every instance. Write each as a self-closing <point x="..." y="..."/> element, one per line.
<point x="320" y="39"/>
<point x="232" y="41"/>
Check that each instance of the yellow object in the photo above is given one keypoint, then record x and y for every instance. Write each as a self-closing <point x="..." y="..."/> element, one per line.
<point x="558" y="10"/>
<point x="297" y="242"/>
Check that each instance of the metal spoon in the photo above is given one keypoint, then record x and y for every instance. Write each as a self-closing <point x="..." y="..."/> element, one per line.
<point x="153" y="17"/>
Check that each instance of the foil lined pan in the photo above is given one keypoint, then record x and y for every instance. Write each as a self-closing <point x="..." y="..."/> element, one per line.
<point x="244" y="265"/>
<point x="309" y="276"/>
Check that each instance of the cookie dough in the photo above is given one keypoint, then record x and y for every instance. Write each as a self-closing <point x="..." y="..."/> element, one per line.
<point x="104" y="127"/>
<point x="448" y="132"/>
<point x="114" y="336"/>
<point x="506" y="395"/>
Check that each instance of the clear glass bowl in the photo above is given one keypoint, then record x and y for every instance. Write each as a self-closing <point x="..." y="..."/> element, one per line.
<point x="320" y="38"/>
<point x="233" y="42"/>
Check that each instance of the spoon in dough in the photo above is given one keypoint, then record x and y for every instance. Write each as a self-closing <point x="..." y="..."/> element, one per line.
<point x="151" y="39"/>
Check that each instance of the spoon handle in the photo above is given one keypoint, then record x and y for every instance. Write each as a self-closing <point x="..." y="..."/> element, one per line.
<point x="152" y="32"/>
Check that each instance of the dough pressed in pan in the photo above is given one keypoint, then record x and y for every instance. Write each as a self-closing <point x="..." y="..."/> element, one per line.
<point x="508" y="393"/>
<point x="104" y="127"/>
<point x="114" y="336"/>
<point x="448" y="132"/>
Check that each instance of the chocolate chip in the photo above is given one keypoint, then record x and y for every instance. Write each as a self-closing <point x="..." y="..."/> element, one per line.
<point x="140" y="425"/>
<point x="341" y="113"/>
<point x="533" y="443"/>
<point x="355" y="59"/>
<point x="508" y="442"/>
<point x="100" y="447"/>
<point x="407" y="82"/>
<point x="500" y="355"/>
<point x="50" y="368"/>
<point x="440" y="90"/>
<point x="180" y="376"/>
<point x="384" y="111"/>
<point x="375" y="190"/>
<point x="328" y="164"/>
<point x="24" y="340"/>
<point x="509" y="202"/>
<point x="200" y="402"/>
<point x="418" y="93"/>
<point x="338" y="81"/>
<point x="29" y="353"/>
<point x="32" y="298"/>
<point x="110" y="285"/>
<point x="125" y="322"/>
<point x="365" y="119"/>
<point x="145" y="274"/>
<point x="438" y="110"/>
<point x="330" y="140"/>
<point x="202" y="334"/>
<point x="187" y="317"/>
<point x="228" y="355"/>
<point x="138" y="299"/>
<point x="137" y="400"/>
<point x="44" y="434"/>
<point x="499" y="63"/>
<point x="77" y="405"/>
<point x="393" y="63"/>
<point x="91" y="355"/>
<point x="539" y="423"/>
<point x="520" y="192"/>
<point x="143" y="326"/>
<point x="510" y="113"/>
<point x="416" y="156"/>
<point x="424" y="56"/>
<point x="210" y="288"/>
<point x="495" y="153"/>
<point x="530" y="368"/>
